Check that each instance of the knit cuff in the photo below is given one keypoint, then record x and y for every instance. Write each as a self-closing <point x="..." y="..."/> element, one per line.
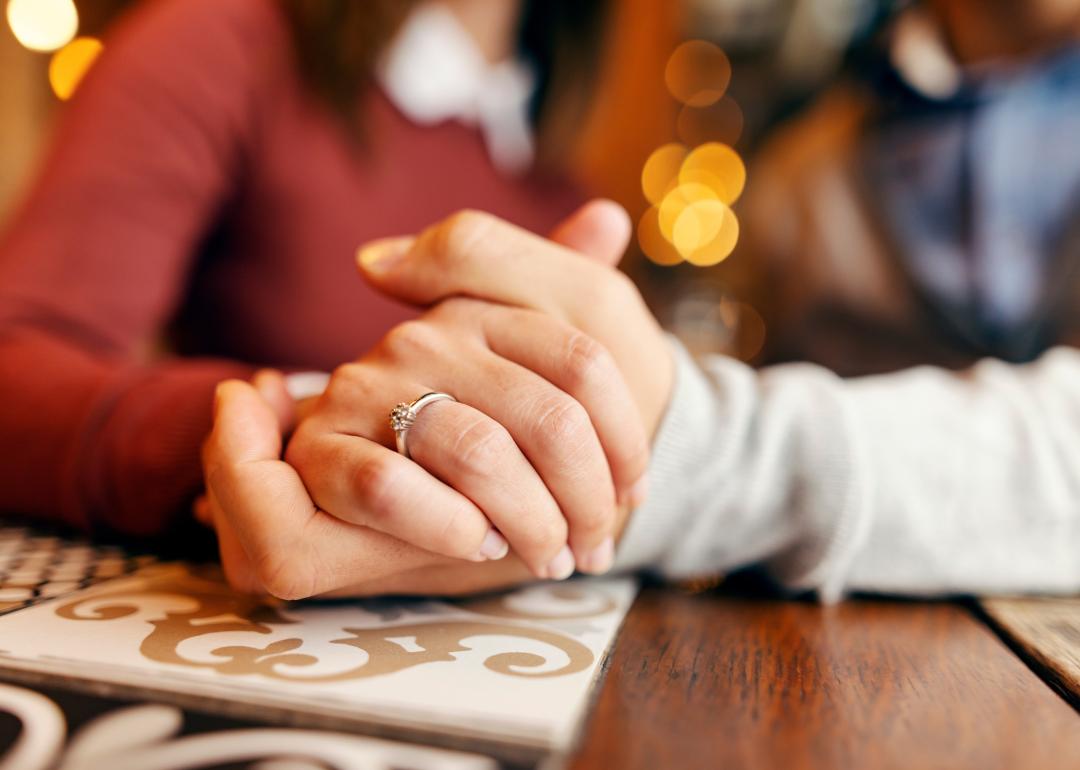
<point x="655" y="525"/>
<point x="140" y="464"/>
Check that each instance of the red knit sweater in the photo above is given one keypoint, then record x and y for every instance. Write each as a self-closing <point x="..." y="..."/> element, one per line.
<point x="197" y="199"/>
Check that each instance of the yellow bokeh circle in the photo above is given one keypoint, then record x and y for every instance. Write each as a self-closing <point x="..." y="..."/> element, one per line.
<point x="661" y="171"/>
<point x="653" y="243"/>
<point x="717" y="167"/>
<point x="697" y="73"/>
<point x="676" y="201"/>
<point x="43" y="25"/>
<point x="705" y="232"/>
<point x="696" y="226"/>
<point x="71" y="63"/>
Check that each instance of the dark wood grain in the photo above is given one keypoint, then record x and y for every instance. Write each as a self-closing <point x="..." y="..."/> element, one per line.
<point x="724" y="682"/>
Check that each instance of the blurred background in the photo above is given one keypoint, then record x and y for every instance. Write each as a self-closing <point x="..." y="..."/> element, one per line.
<point x="764" y="60"/>
<point x="719" y="76"/>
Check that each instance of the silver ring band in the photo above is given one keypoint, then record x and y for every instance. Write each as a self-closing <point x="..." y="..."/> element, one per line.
<point x="404" y="415"/>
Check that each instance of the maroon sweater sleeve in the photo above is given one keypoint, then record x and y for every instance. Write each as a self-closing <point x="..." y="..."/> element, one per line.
<point x="96" y="262"/>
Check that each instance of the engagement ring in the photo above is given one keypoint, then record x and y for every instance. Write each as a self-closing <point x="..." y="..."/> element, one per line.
<point x="404" y="415"/>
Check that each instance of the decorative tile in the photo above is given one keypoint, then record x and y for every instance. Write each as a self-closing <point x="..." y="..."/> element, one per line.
<point x="34" y="566"/>
<point x="509" y="672"/>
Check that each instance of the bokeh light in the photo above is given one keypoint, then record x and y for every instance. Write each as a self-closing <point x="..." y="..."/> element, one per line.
<point x="693" y="184"/>
<point x="719" y="122"/>
<point x="698" y="73"/>
<point x="706" y="232"/>
<point x="676" y="201"/>
<point x="661" y="171"/>
<point x="43" y="25"/>
<point x="708" y="319"/>
<point x="718" y="167"/>
<point x="71" y="63"/>
<point x="696" y="225"/>
<point x="653" y="243"/>
<point x="694" y="221"/>
<point x="696" y="320"/>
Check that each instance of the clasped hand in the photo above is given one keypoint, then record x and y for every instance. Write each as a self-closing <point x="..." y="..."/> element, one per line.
<point x="560" y="374"/>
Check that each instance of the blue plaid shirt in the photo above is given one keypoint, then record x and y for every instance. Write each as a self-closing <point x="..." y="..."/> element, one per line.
<point x="981" y="191"/>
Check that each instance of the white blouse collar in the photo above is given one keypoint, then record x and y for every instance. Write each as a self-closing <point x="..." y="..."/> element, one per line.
<point x="433" y="72"/>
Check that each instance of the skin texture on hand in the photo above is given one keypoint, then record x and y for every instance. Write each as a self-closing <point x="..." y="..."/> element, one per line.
<point x="299" y="549"/>
<point x="537" y="432"/>
<point x="474" y="254"/>
<point x="357" y="561"/>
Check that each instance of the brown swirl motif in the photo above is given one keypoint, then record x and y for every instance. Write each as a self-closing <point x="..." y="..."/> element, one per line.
<point x="219" y="610"/>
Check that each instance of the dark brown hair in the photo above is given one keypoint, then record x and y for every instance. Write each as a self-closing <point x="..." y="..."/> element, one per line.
<point x="338" y="42"/>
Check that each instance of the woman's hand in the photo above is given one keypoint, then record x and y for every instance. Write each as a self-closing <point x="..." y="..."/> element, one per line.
<point x="527" y="453"/>
<point x="273" y="539"/>
<point x="536" y="459"/>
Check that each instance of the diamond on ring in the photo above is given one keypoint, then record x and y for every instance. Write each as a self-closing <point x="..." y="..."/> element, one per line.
<point x="404" y="415"/>
<point x="401" y="417"/>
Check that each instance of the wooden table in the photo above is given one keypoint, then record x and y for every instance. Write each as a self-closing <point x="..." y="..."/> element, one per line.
<point x="734" y="679"/>
<point x="722" y="681"/>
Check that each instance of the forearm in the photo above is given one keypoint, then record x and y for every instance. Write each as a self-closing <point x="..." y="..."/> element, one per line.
<point x="919" y="482"/>
<point x="98" y="442"/>
<point x="975" y="478"/>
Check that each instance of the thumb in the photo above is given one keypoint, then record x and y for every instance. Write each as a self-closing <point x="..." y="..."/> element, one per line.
<point x="600" y="230"/>
<point x="246" y="428"/>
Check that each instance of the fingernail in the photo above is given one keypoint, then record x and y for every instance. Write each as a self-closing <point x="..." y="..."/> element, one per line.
<point x="638" y="493"/>
<point x="494" y="546"/>
<point x="562" y="566"/>
<point x="381" y="255"/>
<point x="599" y="559"/>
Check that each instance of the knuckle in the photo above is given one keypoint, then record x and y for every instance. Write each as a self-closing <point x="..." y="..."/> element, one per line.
<point x="346" y="373"/>
<point x="410" y="339"/>
<point x="562" y="424"/>
<point x="459" y="233"/>
<point x="481" y="446"/>
<point x="285" y="577"/>
<point x="594" y="521"/>
<point x="587" y="362"/>
<point x="540" y="537"/>
<point x="377" y="486"/>
<point x="344" y="382"/>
